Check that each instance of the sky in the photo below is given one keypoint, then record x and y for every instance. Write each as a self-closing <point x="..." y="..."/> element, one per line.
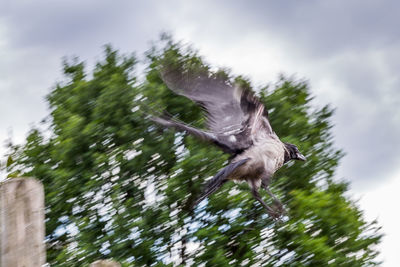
<point x="348" y="51"/>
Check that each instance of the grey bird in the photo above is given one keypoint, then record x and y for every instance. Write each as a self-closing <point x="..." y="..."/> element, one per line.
<point x="237" y="123"/>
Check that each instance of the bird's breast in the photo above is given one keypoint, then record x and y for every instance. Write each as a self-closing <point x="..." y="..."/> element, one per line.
<point x="265" y="158"/>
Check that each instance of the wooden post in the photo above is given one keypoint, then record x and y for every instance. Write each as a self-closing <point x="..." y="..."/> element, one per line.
<point x="22" y="227"/>
<point x="105" y="263"/>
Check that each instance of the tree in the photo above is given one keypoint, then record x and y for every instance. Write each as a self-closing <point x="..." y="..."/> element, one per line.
<point x="117" y="186"/>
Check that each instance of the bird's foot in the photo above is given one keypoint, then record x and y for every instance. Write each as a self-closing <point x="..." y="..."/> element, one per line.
<point x="276" y="211"/>
<point x="273" y="213"/>
<point x="279" y="208"/>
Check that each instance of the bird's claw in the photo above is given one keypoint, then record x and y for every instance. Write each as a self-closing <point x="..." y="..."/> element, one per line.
<point x="277" y="211"/>
<point x="277" y="205"/>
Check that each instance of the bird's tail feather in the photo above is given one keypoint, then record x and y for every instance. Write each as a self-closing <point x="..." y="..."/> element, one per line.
<point x="218" y="180"/>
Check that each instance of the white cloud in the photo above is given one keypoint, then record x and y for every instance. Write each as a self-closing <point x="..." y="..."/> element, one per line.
<point x="382" y="203"/>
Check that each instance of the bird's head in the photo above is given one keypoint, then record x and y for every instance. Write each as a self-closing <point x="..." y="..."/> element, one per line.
<point x="292" y="152"/>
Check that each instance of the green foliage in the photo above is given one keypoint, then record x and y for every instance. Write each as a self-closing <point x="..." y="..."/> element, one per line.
<point x="117" y="186"/>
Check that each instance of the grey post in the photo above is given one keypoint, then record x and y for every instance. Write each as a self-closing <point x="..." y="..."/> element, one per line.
<point x="22" y="227"/>
<point x="105" y="263"/>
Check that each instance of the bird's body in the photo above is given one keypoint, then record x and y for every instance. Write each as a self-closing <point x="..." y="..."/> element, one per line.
<point x="265" y="158"/>
<point x="238" y="124"/>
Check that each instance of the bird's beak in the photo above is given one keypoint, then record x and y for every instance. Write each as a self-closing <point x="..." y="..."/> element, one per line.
<point x="301" y="157"/>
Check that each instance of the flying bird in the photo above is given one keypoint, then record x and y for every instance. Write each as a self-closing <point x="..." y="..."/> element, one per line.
<point x="238" y="124"/>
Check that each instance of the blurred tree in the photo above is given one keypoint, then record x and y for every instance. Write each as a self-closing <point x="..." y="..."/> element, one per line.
<point x="117" y="186"/>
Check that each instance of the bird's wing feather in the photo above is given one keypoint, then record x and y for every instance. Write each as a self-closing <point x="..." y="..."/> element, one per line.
<point x="234" y="114"/>
<point x="202" y="135"/>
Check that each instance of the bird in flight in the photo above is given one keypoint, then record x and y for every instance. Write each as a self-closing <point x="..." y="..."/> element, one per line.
<point x="237" y="123"/>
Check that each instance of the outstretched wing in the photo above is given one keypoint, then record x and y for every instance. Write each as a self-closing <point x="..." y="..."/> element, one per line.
<point x="234" y="114"/>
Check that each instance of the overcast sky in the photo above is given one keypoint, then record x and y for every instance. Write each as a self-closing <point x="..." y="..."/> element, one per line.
<point x="349" y="51"/>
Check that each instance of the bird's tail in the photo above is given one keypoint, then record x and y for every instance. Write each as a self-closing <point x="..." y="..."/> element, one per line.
<point x="218" y="180"/>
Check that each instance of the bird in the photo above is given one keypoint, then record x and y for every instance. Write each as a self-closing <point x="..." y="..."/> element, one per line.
<point x="238" y="123"/>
